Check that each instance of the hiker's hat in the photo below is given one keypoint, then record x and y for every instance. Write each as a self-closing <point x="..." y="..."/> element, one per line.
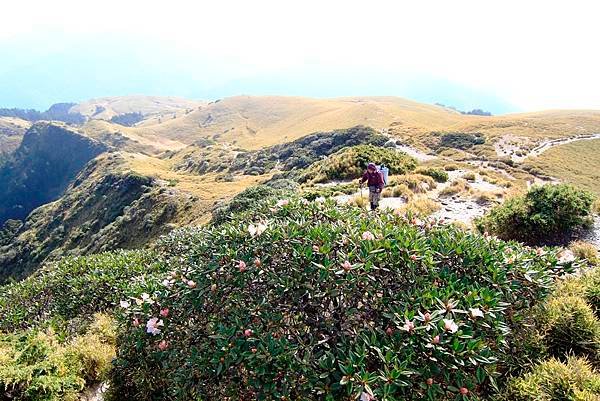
<point x="371" y="166"/>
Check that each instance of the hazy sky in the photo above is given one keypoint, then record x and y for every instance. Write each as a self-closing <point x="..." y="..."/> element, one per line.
<point x="502" y="56"/>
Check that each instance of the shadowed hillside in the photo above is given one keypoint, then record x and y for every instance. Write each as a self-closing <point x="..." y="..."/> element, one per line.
<point x="38" y="172"/>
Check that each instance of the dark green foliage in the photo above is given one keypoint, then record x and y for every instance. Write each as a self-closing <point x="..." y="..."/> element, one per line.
<point x="544" y="214"/>
<point x="42" y="167"/>
<point x="460" y="140"/>
<point x="437" y="174"/>
<point x="351" y="163"/>
<point x="247" y="200"/>
<point x="312" y="193"/>
<point x="56" y="112"/>
<point x="76" y="287"/>
<point x="128" y="119"/>
<point x="303" y="152"/>
<point x="295" y="321"/>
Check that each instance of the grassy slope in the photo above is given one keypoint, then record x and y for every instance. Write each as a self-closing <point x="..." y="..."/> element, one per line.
<point x="256" y="121"/>
<point x="577" y="163"/>
<point x="142" y="104"/>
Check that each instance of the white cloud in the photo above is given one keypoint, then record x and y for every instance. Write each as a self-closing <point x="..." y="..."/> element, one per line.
<point x="534" y="54"/>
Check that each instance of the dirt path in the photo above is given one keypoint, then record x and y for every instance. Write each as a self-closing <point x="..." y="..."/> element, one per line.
<point x="504" y="148"/>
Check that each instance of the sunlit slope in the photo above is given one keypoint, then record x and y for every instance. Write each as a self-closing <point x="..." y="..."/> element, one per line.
<point x="11" y="133"/>
<point x="107" y="107"/>
<point x="255" y="121"/>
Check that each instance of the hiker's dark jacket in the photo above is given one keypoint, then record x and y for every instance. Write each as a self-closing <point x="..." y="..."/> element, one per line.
<point x="373" y="180"/>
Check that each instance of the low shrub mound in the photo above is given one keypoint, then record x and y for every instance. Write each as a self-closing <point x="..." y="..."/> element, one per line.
<point x="316" y="301"/>
<point x="544" y="214"/>
<point x="37" y="365"/>
<point x="75" y="288"/>
<point x="351" y="162"/>
<point x="554" y="380"/>
<point x="437" y="174"/>
<point x="572" y="328"/>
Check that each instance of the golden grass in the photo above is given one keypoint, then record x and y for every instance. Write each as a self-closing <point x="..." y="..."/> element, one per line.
<point x="587" y="251"/>
<point x="458" y="186"/>
<point x="420" y="206"/>
<point x="577" y="163"/>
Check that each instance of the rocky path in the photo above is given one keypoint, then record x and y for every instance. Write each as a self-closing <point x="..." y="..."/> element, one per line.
<point x="505" y="148"/>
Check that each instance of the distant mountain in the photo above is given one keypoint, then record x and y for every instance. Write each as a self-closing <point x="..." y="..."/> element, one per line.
<point x="39" y="171"/>
<point x="56" y="112"/>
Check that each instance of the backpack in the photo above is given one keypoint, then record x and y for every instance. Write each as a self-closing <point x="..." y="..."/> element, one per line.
<point x="384" y="171"/>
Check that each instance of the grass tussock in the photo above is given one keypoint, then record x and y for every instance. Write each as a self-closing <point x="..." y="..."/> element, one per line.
<point x="458" y="186"/>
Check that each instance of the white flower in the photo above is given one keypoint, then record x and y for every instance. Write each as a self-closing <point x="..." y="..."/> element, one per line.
<point x="282" y="202"/>
<point x="152" y="326"/>
<point x="475" y="312"/>
<point x="450" y="326"/>
<point x="566" y="256"/>
<point x="146" y="298"/>
<point x="124" y="304"/>
<point x="167" y="283"/>
<point x="320" y="199"/>
<point x="258" y="229"/>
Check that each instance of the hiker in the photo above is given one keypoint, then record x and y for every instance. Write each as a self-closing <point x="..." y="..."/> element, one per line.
<point x="374" y="179"/>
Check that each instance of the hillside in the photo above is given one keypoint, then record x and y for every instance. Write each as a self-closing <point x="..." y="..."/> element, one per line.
<point x="105" y="207"/>
<point x="11" y="133"/>
<point x="108" y="107"/>
<point x="38" y="172"/>
<point x="255" y="121"/>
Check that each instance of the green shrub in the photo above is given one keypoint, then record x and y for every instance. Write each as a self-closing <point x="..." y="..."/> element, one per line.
<point x="572" y="328"/>
<point x="437" y="174"/>
<point x="460" y="140"/>
<point x="541" y="215"/>
<point x="36" y="365"/>
<point x="75" y="288"/>
<point x="351" y="163"/>
<point x="321" y="306"/>
<point x="553" y="380"/>
<point x="246" y="200"/>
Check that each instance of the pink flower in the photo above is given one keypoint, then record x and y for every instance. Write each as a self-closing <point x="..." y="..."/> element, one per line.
<point x="347" y="266"/>
<point x="427" y="317"/>
<point x="247" y="333"/>
<point x="436" y="340"/>
<point x="315" y="248"/>
<point x="413" y="257"/>
<point x="368" y="236"/>
<point x="364" y="396"/>
<point x="429" y="381"/>
<point x="408" y="326"/>
<point x="389" y="331"/>
<point x="164" y="312"/>
<point x="191" y="284"/>
<point x="450" y="326"/>
<point x="136" y="322"/>
<point x="242" y="266"/>
<point x="257" y="262"/>
<point x="163" y="345"/>
<point x="283" y="202"/>
<point x="152" y="326"/>
<point x="463" y="390"/>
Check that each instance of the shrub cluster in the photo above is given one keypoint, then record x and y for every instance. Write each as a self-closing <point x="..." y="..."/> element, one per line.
<point x="574" y="380"/>
<point x="37" y="365"/>
<point x="542" y="214"/>
<point x="74" y="288"/>
<point x="316" y="301"/>
<point x="351" y="162"/>
<point x="437" y="174"/>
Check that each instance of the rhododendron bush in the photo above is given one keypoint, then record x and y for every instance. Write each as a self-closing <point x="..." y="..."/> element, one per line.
<point x="327" y="302"/>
